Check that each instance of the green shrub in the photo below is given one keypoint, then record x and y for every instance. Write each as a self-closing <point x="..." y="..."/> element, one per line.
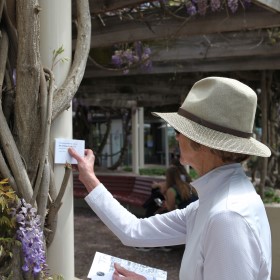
<point x="155" y="171"/>
<point x="127" y="168"/>
<point x="270" y="196"/>
<point x="193" y="174"/>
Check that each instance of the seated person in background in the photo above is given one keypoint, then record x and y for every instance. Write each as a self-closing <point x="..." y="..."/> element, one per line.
<point x="171" y="194"/>
<point x="183" y="172"/>
<point x="178" y="193"/>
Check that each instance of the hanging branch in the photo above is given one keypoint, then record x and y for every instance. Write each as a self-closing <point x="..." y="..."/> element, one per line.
<point x="46" y="134"/>
<point x="12" y="34"/>
<point x="127" y="131"/>
<point x="5" y="173"/>
<point x="55" y="206"/>
<point x="4" y="45"/>
<point x="9" y="96"/>
<point x="7" y="141"/>
<point x="2" y="3"/>
<point x="106" y="134"/>
<point x="65" y="93"/>
<point x="14" y="160"/>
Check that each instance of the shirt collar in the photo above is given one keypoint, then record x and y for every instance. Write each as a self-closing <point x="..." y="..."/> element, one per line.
<point x="214" y="179"/>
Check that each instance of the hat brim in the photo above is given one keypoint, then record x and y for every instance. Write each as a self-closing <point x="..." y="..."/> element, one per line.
<point x="215" y="139"/>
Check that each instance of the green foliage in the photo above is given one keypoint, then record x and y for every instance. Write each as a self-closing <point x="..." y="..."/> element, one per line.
<point x="156" y="171"/>
<point x="127" y="168"/>
<point x="8" y="201"/>
<point x="56" y="54"/>
<point x="274" y="35"/>
<point x="193" y="174"/>
<point x="270" y="196"/>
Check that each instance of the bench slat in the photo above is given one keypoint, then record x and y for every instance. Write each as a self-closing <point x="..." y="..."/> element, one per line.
<point x="131" y="190"/>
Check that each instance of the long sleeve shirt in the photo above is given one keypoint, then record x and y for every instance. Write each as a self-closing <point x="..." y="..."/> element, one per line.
<point x="226" y="232"/>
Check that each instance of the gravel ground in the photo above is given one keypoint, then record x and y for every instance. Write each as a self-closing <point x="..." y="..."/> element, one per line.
<point x="92" y="235"/>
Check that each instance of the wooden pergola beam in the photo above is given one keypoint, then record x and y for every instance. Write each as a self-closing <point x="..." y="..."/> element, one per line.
<point x="199" y="65"/>
<point x="117" y="31"/>
<point x="102" y="6"/>
<point x="250" y="50"/>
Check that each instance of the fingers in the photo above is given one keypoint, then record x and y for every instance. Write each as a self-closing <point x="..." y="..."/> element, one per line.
<point x="122" y="273"/>
<point x="120" y="269"/>
<point x="76" y="156"/>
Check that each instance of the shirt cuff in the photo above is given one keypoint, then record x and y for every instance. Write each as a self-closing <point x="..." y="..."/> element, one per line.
<point x="96" y="192"/>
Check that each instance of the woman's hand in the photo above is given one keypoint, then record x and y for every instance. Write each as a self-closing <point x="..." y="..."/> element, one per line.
<point x="121" y="273"/>
<point x="86" y="168"/>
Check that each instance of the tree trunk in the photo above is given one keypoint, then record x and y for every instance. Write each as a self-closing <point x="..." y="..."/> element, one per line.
<point x="27" y="114"/>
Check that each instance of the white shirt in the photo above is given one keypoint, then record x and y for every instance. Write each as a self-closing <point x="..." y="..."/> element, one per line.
<point x="226" y="232"/>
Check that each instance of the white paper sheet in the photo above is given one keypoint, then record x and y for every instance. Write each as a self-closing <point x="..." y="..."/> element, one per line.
<point x="61" y="155"/>
<point x="102" y="268"/>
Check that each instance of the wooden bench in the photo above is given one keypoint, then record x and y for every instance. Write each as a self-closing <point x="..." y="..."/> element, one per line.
<point x="127" y="189"/>
<point x="117" y="185"/>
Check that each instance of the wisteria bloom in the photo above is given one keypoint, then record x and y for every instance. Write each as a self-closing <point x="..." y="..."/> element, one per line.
<point x="215" y="5"/>
<point x="131" y="56"/>
<point x="191" y="9"/>
<point x="116" y="59"/>
<point x="247" y="3"/>
<point x="233" y="5"/>
<point x="31" y="237"/>
<point x="147" y="63"/>
<point x="202" y="7"/>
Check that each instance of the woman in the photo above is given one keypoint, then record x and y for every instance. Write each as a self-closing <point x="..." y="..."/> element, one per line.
<point x="226" y="231"/>
<point x="175" y="192"/>
<point x="178" y="193"/>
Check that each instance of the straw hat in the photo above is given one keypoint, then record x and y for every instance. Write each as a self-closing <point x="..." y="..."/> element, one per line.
<point x="219" y="113"/>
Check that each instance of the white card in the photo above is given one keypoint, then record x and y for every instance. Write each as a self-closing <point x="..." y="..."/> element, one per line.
<point x="61" y="154"/>
<point x="102" y="268"/>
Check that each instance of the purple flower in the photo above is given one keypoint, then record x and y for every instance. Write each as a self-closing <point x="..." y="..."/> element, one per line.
<point x="191" y="9"/>
<point x="116" y="59"/>
<point x="215" y="5"/>
<point x="126" y="56"/>
<point x="246" y="3"/>
<point x="233" y="5"/>
<point x="147" y="51"/>
<point x="138" y="48"/>
<point x="202" y="7"/>
<point x="31" y="237"/>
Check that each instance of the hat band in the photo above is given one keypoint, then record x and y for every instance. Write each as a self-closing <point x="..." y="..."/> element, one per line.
<point x="182" y="112"/>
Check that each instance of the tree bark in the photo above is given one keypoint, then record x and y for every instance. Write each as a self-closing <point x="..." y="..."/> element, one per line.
<point x="27" y="113"/>
<point x="64" y="95"/>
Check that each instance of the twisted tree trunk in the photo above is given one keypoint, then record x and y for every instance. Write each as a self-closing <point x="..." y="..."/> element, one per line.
<point x="29" y="105"/>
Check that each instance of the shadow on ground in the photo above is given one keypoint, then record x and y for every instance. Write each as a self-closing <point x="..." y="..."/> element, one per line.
<point x="92" y="235"/>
